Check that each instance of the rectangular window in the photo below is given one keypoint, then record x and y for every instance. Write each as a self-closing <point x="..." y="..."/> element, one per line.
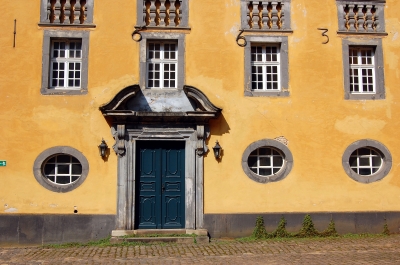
<point x="265" y="67"/>
<point x="363" y="68"/>
<point x="266" y="71"/>
<point x="66" y="64"/>
<point x="362" y="73"/>
<point x="162" y="65"/>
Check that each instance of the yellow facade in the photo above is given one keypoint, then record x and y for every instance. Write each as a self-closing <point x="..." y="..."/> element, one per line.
<point x="316" y="119"/>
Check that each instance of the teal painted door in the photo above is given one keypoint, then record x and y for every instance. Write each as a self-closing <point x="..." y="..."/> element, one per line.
<point x="160" y="185"/>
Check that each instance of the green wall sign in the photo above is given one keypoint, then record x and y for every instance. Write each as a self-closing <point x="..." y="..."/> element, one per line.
<point x="3" y="163"/>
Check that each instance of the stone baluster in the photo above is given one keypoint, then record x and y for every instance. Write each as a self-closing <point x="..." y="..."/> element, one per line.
<point x="62" y="11"/>
<point x="50" y="11"/>
<point x="67" y="11"/>
<point x="177" y="19"/>
<point x="274" y="15"/>
<point x="375" y="19"/>
<point x="279" y="23"/>
<point x="265" y="15"/>
<point x="268" y="25"/>
<point x="82" y="10"/>
<point x="255" y="14"/>
<point x="57" y="7"/>
<point x="162" y="13"/>
<point x="352" y="18"/>
<point x="157" y="19"/>
<point x="172" y="13"/>
<point x="152" y="13"/>
<point x="368" y="18"/>
<point x="146" y="12"/>
<point x="167" y="5"/>
<point x="281" y="16"/>
<point x="260" y="15"/>
<point x="360" y="18"/>
<point x="250" y="14"/>
<point x="346" y="16"/>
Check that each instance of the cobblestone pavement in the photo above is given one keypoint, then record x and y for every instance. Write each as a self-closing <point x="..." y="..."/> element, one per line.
<point x="365" y="250"/>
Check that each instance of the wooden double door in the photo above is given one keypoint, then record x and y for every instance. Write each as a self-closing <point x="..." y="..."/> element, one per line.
<point x="160" y="185"/>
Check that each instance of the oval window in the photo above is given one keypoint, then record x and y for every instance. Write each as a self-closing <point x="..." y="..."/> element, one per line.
<point x="265" y="161"/>
<point x="62" y="169"/>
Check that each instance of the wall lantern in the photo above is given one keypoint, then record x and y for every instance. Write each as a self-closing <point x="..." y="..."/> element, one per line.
<point x="217" y="150"/>
<point x="102" y="148"/>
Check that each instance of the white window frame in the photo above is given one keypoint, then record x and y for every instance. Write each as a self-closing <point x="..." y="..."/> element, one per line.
<point x="66" y="60"/>
<point x="265" y="64"/>
<point x="371" y="154"/>
<point x="359" y="67"/>
<point x="57" y="165"/>
<point x="269" y="156"/>
<point x="162" y="61"/>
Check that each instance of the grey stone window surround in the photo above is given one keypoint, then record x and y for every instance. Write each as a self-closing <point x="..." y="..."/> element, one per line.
<point x="88" y="22"/>
<point x="284" y="66"/>
<point x="380" y="13"/>
<point x="386" y="156"/>
<point x="160" y="36"/>
<point x="286" y="27"/>
<point x="379" y="70"/>
<point x="43" y="156"/>
<point x="288" y="161"/>
<point x="184" y="24"/>
<point x="64" y="34"/>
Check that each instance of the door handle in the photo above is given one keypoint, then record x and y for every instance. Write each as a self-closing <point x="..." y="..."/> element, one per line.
<point x="162" y="188"/>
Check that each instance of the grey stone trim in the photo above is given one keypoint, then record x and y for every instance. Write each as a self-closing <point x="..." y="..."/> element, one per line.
<point x="233" y="225"/>
<point x="184" y="15"/>
<point x="193" y="171"/>
<point x="284" y="66"/>
<point x="160" y="36"/>
<point x="288" y="161"/>
<point x="44" y="229"/>
<point x="387" y="160"/>
<point x="380" y="13"/>
<point x="286" y="26"/>
<point x="64" y="34"/>
<point x="379" y="67"/>
<point x="38" y="165"/>
<point x="44" y="20"/>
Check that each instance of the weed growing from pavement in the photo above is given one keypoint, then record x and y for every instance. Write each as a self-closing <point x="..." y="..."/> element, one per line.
<point x="105" y="242"/>
<point x="307" y="230"/>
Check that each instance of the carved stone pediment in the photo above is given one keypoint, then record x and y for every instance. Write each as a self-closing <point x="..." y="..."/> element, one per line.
<point x="132" y="104"/>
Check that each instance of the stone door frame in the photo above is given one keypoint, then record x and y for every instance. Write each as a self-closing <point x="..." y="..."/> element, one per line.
<point x="194" y="138"/>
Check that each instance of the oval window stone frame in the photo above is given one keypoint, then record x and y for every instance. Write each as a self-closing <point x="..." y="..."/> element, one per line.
<point x="285" y="170"/>
<point x="43" y="156"/>
<point x="380" y="174"/>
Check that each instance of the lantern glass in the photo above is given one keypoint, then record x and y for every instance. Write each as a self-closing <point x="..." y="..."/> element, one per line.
<point x="217" y="150"/>
<point x="102" y="148"/>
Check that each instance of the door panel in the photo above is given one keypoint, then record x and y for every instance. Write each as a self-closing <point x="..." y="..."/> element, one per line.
<point x="160" y="185"/>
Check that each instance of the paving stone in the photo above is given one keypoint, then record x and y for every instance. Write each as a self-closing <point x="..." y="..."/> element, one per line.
<point x="372" y="250"/>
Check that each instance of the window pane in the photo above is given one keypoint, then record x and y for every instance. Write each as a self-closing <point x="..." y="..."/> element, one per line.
<point x="278" y="161"/>
<point x="252" y="161"/>
<point x="49" y="169"/>
<point x="63" y="158"/>
<point x="63" y="179"/>
<point x="76" y="169"/>
<point x="265" y="171"/>
<point x="265" y="161"/>
<point x="63" y="169"/>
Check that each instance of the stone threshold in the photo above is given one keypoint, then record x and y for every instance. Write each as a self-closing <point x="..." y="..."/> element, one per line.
<point x="143" y="235"/>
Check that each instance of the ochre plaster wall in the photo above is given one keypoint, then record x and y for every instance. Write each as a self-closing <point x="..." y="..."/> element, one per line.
<point x="315" y="118"/>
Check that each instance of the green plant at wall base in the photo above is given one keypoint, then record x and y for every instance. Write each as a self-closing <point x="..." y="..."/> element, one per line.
<point x="386" y="229"/>
<point x="259" y="231"/>
<point x="308" y="229"/>
<point x="330" y="231"/>
<point x="281" y="230"/>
